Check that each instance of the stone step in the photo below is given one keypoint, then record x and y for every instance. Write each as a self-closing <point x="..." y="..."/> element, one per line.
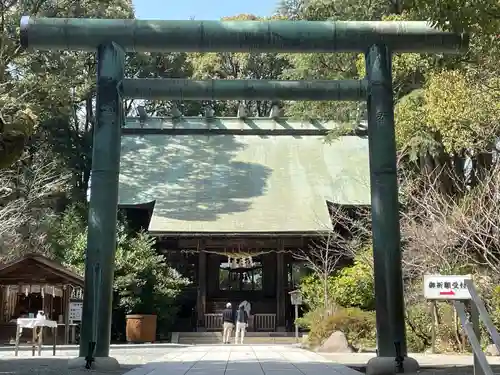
<point x="206" y="340"/>
<point x="247" y="334"/>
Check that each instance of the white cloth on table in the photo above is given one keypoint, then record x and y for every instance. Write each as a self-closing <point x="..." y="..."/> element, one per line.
<point x="33" y="322"/>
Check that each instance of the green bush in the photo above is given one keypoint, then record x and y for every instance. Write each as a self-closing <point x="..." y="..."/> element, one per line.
<point x="68" y="238"/>
<point x="494" y="305"/>
<point x="313" y="291"/>
<point x="419" y="328"/>
<point x="352" y="286"/>
<point x="144" y="283"/>
<point x="356" y="324"/>
<point x="315" y="318"/>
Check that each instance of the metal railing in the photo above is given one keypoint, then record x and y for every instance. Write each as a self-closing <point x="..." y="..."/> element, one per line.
<point x="468" y="326"/>
<point x="260" y="322"/>
<point x="213" y="322"/>
<point x="265" y="322"/>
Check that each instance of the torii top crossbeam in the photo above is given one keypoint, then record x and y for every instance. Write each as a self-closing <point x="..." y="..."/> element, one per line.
<point x="237" y="36"/>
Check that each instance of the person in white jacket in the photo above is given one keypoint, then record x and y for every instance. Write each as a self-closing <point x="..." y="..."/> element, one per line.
<point x="241" y="324"/>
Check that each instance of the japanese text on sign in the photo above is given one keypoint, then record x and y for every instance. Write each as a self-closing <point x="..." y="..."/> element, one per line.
<point x="75" y="311"/>
<point x="446" y="287"/>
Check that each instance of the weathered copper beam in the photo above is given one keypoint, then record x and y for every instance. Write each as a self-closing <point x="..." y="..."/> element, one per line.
<point x="184" y="89"/>
<point x="238" y="132"/>
<point x="101" y="233"/>
<point x="237" y="36"/>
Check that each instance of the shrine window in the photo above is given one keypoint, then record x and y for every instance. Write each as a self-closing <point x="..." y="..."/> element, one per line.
<point x="240" y="276"/>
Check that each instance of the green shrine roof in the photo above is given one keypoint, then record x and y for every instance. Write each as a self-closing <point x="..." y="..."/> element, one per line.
<point x="241" y="184"/>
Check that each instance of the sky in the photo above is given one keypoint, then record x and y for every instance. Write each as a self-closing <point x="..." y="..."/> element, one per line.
<point x="200" y="9"/>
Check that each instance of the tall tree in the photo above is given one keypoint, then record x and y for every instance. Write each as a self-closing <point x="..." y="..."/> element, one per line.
<point x="291" y="9"/>
<point x="46" y="106"/>
<point x="27" y="195"/>
<point x="239" y="66"/>
<point x="37" y="87"/>
<point x="449" y="124"/>
<point x="332" y="65"/>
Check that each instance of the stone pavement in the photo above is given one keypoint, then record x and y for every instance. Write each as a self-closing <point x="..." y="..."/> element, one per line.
<point x="188" y="360"/>
<point x="424" y="360"/>
<point x="223" y="360"/>
<point x="242" y="360"/>
<point x="47" y="364"/>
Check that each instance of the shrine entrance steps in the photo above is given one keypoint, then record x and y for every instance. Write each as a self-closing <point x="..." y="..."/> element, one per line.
<point x="251" y="338"/>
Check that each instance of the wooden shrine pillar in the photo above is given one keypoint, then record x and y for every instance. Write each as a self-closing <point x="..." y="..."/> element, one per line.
<point x="202" y="288"/>
<point x="66" y="298"/>
<point x="280" y="287"/>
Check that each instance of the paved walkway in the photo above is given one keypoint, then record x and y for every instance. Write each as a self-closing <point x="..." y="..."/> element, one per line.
<point x="424" y="360"/>
<point x="242" y="360"/>
<point x="221" y="360"/>
<point x="47" y="364"/>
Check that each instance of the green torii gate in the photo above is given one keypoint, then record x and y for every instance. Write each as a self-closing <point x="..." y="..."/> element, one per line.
<point x="112" y="38"/>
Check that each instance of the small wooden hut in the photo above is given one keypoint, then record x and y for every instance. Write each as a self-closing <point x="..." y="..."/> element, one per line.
<point x="33" y="283"/>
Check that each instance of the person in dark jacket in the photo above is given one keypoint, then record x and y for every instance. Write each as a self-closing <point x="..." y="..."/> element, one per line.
<point x="227" y="323"/>
<point x="241" y="324"/>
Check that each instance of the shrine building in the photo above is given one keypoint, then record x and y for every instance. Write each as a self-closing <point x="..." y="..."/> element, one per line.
<point x="233" y="198"/>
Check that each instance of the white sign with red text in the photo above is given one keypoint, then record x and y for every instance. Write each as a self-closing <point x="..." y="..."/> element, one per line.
<point x="446" y="287"/>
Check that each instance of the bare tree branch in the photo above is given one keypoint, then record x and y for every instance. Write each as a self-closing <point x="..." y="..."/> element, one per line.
<point x="338" y="242"/>
<point x="450" y="234"/>
<point x="25" y="198"/>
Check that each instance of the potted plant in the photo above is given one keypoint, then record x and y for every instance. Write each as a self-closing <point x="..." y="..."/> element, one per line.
<point x="141" y="319"/>
<point x="146" y="288"/>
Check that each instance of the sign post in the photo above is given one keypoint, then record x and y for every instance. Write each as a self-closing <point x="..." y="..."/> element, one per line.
<point x="75" y="312"/>
<point x="454" y="288"/>
<point x="296" y="299"/>
<point x="474" y="318"/>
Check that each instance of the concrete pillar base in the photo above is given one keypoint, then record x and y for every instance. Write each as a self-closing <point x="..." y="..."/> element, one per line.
<point x="99" y="363"/>
<point x="387" y="366"/>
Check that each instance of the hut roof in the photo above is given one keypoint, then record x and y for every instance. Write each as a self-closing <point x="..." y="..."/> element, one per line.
<point x="37" y="269"/>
